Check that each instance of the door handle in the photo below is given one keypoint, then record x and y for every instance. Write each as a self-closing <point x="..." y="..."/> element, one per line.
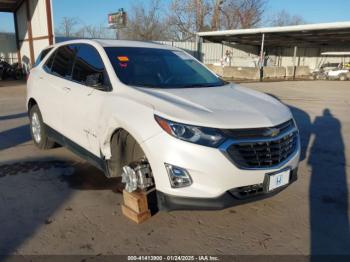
<point x="66" y="88"/>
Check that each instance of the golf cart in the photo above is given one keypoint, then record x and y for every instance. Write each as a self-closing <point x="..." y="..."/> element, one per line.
<point x="333" y="71"/>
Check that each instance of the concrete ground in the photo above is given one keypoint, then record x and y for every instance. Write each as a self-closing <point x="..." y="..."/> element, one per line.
<point x="52" y="202"/>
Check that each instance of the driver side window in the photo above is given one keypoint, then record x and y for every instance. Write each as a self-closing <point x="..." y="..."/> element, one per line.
<point x="89" y="69"/>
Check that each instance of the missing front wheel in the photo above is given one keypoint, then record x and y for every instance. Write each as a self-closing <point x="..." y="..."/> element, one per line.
<point x="137" y="176"/>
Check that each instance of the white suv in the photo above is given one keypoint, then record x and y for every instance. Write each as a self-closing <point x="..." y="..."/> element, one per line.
<point x="160" y="119"/>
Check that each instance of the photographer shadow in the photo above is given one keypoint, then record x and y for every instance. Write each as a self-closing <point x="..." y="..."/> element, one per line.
<point x="328" y="191"/>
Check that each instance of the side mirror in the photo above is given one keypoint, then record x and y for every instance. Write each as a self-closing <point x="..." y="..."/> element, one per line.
<point x="94" y="80"/>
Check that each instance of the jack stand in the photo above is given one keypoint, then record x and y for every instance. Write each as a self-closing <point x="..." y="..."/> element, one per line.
<point x="135" y="206"/>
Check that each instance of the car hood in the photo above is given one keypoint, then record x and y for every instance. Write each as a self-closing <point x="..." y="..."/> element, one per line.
<point x="229" y="106"/>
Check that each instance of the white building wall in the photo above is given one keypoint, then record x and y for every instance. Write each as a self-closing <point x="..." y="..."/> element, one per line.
<point x="213" y="52"/>
<point x="248" y="56"/>
<point x="306" y="56"/>
<point x="40" y="31"/>
<point x="22" y="22"/>
<point x="8" y="49"/>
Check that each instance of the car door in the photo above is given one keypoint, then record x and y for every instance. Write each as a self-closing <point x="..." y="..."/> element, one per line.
<point x="84" y="102"/>
<point x="54" y="85"/>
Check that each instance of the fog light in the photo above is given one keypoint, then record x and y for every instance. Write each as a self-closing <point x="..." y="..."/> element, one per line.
<point x="178" y="176"/>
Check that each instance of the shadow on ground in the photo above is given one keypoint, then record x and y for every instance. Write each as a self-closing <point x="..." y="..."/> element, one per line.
<point x="14" y="116"/>
<point x="328" y="192"/>
<point x="13" y="137"/>
<point x="45" y="185"/>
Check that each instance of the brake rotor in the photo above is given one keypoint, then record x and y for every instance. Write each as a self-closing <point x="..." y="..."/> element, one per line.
<point x="130" y="179"/>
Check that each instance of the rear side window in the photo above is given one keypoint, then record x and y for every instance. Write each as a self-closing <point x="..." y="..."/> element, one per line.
<point x="63" y="62"/>
<point x="89" y="68"/>
<point x="41" y="56"/>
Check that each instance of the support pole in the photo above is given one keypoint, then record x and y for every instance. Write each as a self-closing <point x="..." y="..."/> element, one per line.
<point x="262" y="57"/>
<point x="222" y="50"/>
<point x="295" y="61"/>
<point x="30" y="33"/>
<point x="117" y="34"/>
<point x="19" y="58"/>
<point x="49" y="22"/>
<point x="199" y="41"/>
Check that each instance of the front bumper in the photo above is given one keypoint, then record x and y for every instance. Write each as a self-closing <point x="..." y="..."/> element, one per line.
<point x="228" y="199"/>
<point x="212" y="173"/>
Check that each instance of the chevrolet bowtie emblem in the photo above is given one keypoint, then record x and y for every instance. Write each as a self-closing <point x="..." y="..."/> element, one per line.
<point x="272" y="132"/>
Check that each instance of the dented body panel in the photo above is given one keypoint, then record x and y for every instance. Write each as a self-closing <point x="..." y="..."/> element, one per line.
<point x="90" y="117"/>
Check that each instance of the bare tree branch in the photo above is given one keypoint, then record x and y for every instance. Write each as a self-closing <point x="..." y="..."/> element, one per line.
<point x="145" y="22"/>
<point x="283" y="18"/>
<point x="67" y="26"/>
<point x="242" y="13"/>
<point x="191" y="16"/>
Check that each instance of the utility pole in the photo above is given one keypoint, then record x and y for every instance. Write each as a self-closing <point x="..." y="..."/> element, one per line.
<point x="117" y="34"/>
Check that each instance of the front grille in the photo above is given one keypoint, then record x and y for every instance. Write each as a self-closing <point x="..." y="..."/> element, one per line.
<point x="264" y="152"/>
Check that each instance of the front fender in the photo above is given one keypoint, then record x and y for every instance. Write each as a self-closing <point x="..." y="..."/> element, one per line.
<point x="135" y="118"/>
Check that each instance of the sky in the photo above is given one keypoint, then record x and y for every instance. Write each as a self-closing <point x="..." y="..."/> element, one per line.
<point x="95" y="11"/>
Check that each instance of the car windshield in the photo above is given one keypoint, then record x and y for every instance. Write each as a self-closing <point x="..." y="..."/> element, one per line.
<point x="160" y="68"/>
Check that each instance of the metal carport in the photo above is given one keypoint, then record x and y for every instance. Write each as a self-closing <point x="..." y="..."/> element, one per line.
<point x="312" y="35"/>
<point x="325" y="34"/>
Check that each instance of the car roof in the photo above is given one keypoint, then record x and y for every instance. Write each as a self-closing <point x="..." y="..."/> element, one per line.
<point x="119" y="43"/>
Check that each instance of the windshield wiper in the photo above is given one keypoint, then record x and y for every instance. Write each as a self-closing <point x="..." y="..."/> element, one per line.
<point x="204" y="85"/>
<point x="179" y="86"/>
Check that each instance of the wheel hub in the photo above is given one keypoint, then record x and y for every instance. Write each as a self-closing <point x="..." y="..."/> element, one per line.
<point x="139" y="177"/>
<point x="36" y="128"/>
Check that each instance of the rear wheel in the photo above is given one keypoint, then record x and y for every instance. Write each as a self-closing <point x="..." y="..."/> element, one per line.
<point x="37" y="130"/>
<point x="342" y="77"/>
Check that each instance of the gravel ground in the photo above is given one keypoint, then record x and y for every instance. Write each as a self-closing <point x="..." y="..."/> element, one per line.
<point x="52" y="202"/>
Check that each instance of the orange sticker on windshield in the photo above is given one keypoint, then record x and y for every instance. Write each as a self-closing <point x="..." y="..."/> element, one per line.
<point x="123" y="59"/>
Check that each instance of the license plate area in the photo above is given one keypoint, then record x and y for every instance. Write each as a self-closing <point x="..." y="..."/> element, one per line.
<point x="278" y="179"/>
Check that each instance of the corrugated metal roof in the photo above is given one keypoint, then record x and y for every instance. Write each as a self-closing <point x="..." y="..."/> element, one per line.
<point x="324" y="34"/>
<point x="280" y="29"/>
<point x="336" y="53"/>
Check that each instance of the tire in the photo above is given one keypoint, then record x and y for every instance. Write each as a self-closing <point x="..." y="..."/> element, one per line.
<point x="342" y="77"/>
<point x="125" y="151"/>
<point x="37" y="130"/>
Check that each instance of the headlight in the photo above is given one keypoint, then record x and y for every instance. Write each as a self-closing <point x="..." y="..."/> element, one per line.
<point x="198" y="135"/>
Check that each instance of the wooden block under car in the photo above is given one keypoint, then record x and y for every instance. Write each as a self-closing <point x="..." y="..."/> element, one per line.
<point x="136" y="201"/>
<point x="134" y="216"/>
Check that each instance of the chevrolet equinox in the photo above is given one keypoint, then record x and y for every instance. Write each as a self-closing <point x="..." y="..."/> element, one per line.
<point x="161" y="120"/>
